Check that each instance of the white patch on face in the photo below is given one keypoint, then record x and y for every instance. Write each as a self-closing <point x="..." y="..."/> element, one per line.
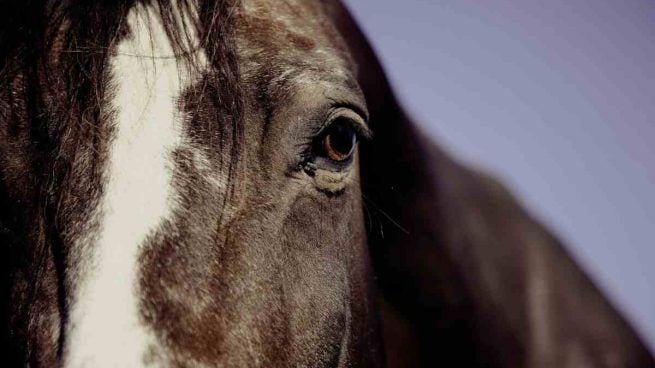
<point x="105" y="329"/>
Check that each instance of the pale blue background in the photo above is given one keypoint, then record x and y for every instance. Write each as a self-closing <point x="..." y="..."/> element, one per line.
<point x="556" y="96"/>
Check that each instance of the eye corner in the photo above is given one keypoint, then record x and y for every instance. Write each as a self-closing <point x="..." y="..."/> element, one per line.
<point x="364" y="133"/>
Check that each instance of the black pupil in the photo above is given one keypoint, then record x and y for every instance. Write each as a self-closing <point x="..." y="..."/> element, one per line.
<point x="342" y="139"/>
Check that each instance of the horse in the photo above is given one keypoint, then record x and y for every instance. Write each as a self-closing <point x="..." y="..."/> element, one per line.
<point x="202" y="183"/>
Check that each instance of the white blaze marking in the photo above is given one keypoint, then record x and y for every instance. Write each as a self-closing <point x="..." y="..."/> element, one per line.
<point x="104" y="328"/>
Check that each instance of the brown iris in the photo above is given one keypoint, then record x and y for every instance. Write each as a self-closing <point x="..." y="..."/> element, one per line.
<point x="339" y="142"/>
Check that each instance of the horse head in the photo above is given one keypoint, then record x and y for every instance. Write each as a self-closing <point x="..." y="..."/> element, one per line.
<point x="232" y="183"/>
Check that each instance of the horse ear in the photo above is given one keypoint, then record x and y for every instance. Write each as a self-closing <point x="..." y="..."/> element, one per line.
<point x="465" y="275"/>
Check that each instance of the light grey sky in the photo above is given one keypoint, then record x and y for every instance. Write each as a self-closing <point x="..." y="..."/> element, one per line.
<point x="558" y="98"/>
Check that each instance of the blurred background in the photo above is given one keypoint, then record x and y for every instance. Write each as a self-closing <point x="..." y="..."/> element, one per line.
<point x="558" y="98"/>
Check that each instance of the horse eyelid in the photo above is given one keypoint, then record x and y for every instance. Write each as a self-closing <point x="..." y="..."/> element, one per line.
<point x="353" y="118"/>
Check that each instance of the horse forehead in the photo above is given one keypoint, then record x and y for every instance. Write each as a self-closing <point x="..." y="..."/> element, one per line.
<point x="296" y="31"/>
<point x="281" y="16"/>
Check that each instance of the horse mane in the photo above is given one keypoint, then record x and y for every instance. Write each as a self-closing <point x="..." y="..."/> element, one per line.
<point x="53" y="82"/>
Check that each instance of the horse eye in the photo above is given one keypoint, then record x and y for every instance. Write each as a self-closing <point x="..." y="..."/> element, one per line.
<point x="339" y="142"/>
